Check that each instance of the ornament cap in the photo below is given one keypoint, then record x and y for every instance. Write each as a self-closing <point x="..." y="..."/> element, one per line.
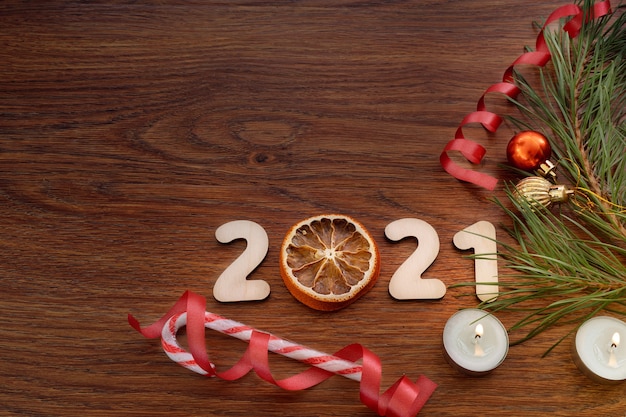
<point x="559" y="193"/>
<point x="547" y="170"/>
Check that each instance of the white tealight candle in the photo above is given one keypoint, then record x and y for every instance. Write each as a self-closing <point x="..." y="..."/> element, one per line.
<point x="475" y="342"/>
<point x="599" y="351"/>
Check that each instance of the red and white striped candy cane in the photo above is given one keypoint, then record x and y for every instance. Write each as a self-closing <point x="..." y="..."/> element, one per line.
<point x="243" y="332"/>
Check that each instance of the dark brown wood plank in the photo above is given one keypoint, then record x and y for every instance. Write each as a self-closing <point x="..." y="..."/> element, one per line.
<point x="131" y="130"/>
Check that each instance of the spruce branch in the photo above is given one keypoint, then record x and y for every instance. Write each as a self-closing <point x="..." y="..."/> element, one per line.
<point x="569" y="263"/>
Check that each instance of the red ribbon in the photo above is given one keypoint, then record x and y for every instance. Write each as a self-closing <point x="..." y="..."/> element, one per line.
<point x="474" y="152"/>
<point x="404" y="399"/>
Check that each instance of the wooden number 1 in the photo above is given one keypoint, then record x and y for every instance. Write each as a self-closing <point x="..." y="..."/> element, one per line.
<point x="407" y="282"/>
<point x="481" y="236"/>
<point x="232" y="284"/>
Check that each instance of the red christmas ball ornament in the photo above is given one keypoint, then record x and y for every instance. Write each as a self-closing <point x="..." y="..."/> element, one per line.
<point x="528" y="150"/>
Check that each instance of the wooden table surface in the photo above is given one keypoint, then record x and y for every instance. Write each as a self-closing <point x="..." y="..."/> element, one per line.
<point x="130" y="131"/>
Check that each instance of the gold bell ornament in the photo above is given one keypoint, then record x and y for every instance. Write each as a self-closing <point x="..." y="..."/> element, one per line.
<point x="538" y="192"/>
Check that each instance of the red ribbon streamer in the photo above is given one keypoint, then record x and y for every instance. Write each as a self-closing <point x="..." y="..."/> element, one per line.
<point x="404" y="399"/>
<point x="474" y="152"/>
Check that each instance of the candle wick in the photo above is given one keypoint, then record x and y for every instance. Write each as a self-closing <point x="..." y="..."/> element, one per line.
<point x="614" y="341"/>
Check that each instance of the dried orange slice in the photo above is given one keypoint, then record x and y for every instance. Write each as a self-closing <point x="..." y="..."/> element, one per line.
<point x="329" y="261"/>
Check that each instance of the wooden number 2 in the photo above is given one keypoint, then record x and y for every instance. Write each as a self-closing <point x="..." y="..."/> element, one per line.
<point x="232" y="284"/>
<point x="407" y="282"/>
<point x="481" y="236"/>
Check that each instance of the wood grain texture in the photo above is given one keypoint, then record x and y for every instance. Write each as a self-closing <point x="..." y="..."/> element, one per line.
<point x="130" y="131"/>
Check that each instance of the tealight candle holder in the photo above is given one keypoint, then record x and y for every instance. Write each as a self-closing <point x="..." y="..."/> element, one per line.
<point x="599" y="349"/>
<point x="475" y="342"/>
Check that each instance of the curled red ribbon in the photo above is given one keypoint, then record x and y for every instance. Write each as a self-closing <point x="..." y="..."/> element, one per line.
<point x="404" y="399"/>
<point x="474" y="152"/>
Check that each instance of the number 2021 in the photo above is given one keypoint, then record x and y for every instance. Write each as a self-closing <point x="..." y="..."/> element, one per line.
<point x="406" y="283"/>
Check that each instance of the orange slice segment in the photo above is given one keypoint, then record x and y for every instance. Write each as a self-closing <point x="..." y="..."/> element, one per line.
<point x="329" y="261"/>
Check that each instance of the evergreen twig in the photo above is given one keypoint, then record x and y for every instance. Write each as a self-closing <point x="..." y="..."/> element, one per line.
<point x="570" y="263"/>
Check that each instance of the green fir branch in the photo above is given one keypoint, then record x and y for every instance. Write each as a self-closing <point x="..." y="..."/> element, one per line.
<point x="569" y="262"/>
